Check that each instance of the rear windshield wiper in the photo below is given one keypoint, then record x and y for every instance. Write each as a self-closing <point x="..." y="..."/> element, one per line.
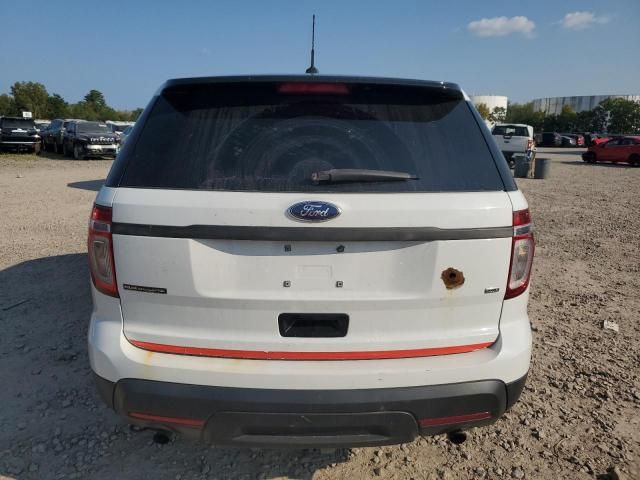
<point x="337" y="175"/>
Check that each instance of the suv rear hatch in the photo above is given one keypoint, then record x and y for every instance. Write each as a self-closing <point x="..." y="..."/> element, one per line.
<point x="209" y="262"/>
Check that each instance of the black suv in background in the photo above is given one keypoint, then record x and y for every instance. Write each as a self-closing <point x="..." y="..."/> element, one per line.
<point x="17" y="133"/>
<point x="53" y="135"/>
<point x="89" y="139"/>
<point x="550" y="139"/>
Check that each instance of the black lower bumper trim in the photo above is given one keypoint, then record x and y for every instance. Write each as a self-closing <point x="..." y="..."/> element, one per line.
<point x="310" y="418"/>
<point x="105" y="389"/>
<point x="514" y="390"/>
<point x="310" y="430"/>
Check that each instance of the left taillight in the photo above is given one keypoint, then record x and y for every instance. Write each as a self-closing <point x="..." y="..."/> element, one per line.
<point x="522" y="249"/>
<point x="100" y="249"/>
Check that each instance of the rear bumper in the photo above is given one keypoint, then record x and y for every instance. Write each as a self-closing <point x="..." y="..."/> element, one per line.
<point x="309" y="418"/>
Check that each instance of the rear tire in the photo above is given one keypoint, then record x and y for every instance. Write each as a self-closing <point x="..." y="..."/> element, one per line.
<point x="590" y="157"/>
<point x="510" y="161"/>
<point x="634" y="160"/>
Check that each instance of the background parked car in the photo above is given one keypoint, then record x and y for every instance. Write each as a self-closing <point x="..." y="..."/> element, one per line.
<point x="579" y="139"/>
<point x="53" y="135"/>
<point x="567" y="142"/>
<point x="48" y="135"/>
<point x="589" y="137"/>
<point x="513" y="138"/>
<point x="41" y="125"/>
<point x="551" y="139"/>
<point x="537" y="138"/>
<point x="125" y="133"/>
<point x="117" y="128"/>
<point x="89" y="139"/>
<point x="622" y="149"/>
<point x="17" y="133"/>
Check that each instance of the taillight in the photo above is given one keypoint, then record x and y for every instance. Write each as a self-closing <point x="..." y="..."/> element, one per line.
<point x="522" y="248"/>
<point x="100" y="248"/>
<point x="313" y="88"/>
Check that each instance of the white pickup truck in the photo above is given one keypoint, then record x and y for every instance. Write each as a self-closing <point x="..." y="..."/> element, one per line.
<point x="513" y="138"/>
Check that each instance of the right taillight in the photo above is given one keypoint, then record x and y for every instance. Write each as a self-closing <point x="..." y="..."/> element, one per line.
<point x="100" y="249"/>
<point x="522" y="247"/>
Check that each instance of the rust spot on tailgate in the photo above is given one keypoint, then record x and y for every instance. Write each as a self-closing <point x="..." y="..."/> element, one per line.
<point x="452" y="278"/>
<point x="148" y="356"/>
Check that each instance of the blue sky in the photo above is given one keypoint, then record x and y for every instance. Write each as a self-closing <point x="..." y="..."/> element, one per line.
<point x="127" y="49"/>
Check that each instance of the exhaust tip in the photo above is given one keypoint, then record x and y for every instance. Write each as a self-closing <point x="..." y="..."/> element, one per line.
<point x="457" y="438"/>
<point x="161" y="437"/>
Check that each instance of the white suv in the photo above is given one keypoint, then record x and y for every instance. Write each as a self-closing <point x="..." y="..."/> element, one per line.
<point x="310" y="261"/>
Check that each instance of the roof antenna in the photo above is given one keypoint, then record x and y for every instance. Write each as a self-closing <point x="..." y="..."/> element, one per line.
<point x="312" y="69"/>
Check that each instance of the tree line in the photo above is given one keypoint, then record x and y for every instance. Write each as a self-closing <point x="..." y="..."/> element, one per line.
<point x="33" y="97"/>
<point x="613" y="116"/>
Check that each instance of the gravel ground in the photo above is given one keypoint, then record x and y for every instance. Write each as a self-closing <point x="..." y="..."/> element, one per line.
<point x="577" y="418"/>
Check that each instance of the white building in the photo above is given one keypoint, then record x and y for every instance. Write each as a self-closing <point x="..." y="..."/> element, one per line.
<point x="491" y="101"/>
<point x="553" y="105"/>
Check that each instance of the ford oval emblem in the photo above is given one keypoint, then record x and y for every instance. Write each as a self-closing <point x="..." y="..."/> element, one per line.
<point x="313" y="211"/>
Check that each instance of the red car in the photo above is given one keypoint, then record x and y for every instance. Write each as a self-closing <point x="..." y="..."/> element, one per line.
<point x="622" y="149"/>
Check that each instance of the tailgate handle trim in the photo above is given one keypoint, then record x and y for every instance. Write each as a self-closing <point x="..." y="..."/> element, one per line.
<point x="313" y="325"/>
<point x="304" y="233"/>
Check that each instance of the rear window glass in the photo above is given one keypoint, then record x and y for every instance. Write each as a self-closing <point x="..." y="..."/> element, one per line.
<point x="260" y="137"/>
<point x="510" y="130"/>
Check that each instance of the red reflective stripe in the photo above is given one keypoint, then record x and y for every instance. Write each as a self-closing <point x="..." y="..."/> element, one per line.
<point x="262" y="355"/>
<point x="470" y="417"/>
<point x="189" y="422"/>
